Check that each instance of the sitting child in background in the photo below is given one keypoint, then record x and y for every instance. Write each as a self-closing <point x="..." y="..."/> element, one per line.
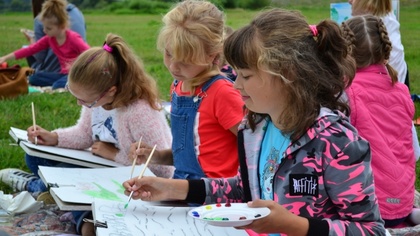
<point x="382" y="111"/>
<point x="46" y="60"/>
<point x="65" y="44"/>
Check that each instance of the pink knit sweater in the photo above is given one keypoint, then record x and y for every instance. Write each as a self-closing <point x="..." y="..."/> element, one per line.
<point x="134" y="121"/>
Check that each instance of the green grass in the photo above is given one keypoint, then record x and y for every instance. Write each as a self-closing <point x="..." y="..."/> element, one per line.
<point x="140" y="31"/>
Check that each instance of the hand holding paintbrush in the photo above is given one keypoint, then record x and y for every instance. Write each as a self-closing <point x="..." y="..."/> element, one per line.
<point x="40" y="135"/>
<point x="141" y="173"/>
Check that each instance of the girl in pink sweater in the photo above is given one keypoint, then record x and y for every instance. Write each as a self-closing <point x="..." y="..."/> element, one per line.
<point x="120" y="105"/>
<point x="65" y="44"/>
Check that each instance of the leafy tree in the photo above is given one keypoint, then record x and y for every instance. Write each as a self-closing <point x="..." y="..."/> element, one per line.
<point x="18" y="5"/>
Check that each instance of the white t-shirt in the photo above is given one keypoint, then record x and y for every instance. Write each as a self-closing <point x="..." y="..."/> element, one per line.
<point x="103" y="125"/>
<point x="396" y="59"/>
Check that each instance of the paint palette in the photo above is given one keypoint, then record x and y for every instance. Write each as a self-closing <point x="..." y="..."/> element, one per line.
<point x="228" y="214"/>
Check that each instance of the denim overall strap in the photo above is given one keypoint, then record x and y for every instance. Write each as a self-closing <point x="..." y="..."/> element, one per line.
<point x="183" y="126"/>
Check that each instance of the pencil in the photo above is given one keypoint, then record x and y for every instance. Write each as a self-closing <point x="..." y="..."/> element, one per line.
<point x="135" y="158"/>
<point x="33" y="119"/>
<point x="141" y="173"/>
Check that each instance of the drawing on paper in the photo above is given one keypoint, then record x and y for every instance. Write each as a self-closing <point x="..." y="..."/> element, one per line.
<point x="143" y="218"/>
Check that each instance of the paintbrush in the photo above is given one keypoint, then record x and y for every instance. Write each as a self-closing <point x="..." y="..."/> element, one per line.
<point x="34" y="123"/>
<point x="135" y="158"/>
<point x="141" y="174"/>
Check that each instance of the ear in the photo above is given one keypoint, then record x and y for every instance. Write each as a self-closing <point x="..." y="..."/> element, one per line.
<point x="214" y="58"/>
<point x="112" y="91"/>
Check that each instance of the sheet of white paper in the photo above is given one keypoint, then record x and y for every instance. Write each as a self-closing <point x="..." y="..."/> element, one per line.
<point x="20" y="133"/>
<point x="142" y="218"/>
<point x="72" y="154"/>
<point x="83" y="185"/>
<point x="82" y="155"/>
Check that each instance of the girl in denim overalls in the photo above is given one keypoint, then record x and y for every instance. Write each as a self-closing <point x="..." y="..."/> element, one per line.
<point x="205" y="108"/>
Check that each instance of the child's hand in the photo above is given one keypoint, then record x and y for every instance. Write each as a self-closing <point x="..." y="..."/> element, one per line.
<point x="44" y="137"/>
<point x="104" y="149"/>
<point x="29" y="34"/>
<point x="280" y="220"/>
<point x="142" y="153"/>
<point x="156" y="189"/>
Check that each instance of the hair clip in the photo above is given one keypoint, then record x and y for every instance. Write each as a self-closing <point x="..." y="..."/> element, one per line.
<point x="314" y="30"/>
<point x="105" y="71"/>
<point x="107" y="48"/>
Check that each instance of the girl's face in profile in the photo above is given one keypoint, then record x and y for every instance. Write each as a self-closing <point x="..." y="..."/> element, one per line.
<point x="180" y="70"/>
<point x="51" y="28"/>
<point x="260" y="91"/>
<point x="87" y="98"/>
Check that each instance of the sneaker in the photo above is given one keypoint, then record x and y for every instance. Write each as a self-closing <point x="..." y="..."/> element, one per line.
<point x="46" y="198"/>
<point x="16" y="179"/>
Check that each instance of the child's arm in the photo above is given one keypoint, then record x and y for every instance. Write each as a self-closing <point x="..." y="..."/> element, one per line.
<point x="10" y="56"/>
<point x="38" y="46"/>
<point x="234" y="129"/>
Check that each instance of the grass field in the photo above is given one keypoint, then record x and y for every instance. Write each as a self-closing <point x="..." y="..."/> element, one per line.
<point x="140" y="31"/>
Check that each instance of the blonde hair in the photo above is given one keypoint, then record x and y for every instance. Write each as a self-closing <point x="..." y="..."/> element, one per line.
<point x="226" y="33"/>
<point x="375" y="7"/>
<point x="55" y="10"/>
<point x="313" y="68"/>
<point x="371" y="44"/>
<point x="194" y="30"/>
<point x="98" y="69"/>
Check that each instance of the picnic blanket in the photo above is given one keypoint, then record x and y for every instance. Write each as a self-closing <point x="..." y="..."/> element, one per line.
<point x="48" y="220"/>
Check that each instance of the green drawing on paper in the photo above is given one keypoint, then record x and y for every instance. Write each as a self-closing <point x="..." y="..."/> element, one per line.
<point x="121" y="189"/>
<point x="119" y="214"/>
<point x="104" y="193"/>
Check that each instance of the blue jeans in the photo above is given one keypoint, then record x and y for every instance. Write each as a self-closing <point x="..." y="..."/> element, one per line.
<point x="78" y="217"/>
<point x="42" y="78"/>
<point x="33" y="163"/>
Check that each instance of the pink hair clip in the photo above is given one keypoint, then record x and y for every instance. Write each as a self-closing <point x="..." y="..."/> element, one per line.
<point x="107" y="48"/>
<point x="314" y="30"/>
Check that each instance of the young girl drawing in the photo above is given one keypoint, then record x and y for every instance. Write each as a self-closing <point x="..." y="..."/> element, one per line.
<point x="374" y="91"/>
<point x="205" y="108"/>
<point x="65" y="44"/>
<point x="290" y="76"/>
<point x="120" y="104"/>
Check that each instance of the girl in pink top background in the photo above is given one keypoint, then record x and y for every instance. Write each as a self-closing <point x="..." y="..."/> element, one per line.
<point x="382" y="111"/>
<point x="65" y="44"/>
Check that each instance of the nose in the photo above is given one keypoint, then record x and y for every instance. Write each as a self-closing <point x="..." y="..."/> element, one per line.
<point x="236" y="84"/>
<point x="173" y="67"/>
